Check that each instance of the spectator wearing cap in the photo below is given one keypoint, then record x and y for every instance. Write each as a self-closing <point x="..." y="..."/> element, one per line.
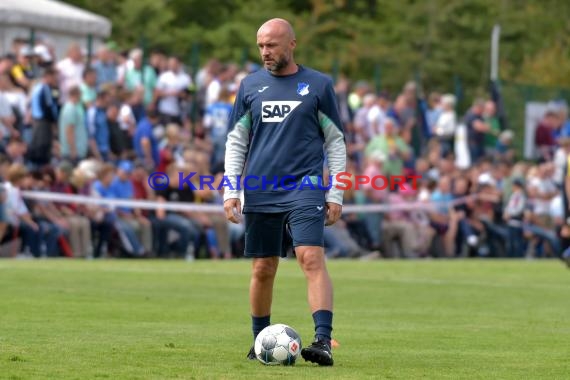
<point x="73" y="134"/>
<point x="122" y="188"/>
<point x="22" y="72"/>
<point x="45" y="113"/>
<point x="44" y="56"/>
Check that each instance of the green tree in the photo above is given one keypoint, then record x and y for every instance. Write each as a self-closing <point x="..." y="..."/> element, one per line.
<point x="433" y="40"/>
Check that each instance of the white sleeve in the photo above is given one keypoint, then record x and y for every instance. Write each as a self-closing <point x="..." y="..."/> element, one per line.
<point x="237" y="147"/>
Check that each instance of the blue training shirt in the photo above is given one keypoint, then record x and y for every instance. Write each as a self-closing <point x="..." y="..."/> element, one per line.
<point x="281" y="128"/>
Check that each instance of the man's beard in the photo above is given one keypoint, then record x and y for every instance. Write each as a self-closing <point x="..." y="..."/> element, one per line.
<point x="278" y="65"/>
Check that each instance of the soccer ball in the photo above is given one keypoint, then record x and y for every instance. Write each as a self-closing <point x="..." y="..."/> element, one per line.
<point x="277" y="344"/>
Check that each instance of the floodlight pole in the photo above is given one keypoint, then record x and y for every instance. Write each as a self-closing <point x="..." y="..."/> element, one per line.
<point x="495" y="52"/>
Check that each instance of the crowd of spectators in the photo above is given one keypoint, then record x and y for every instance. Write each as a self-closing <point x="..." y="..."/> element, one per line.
<point x="99" y="126"/>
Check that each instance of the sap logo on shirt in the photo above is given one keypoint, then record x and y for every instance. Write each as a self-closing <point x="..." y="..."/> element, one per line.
<point x="277" y="111"/>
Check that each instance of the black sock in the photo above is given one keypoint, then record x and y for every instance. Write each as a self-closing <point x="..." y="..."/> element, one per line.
<point x="323" y="325"/>
<point x="258" y="324"/>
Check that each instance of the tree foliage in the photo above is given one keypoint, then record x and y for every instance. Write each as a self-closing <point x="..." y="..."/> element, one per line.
<point x="435" y="41"/>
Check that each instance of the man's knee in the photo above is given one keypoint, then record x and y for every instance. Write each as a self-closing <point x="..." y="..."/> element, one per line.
<point x="312" y="259"/>
<point x="265" y="269"/>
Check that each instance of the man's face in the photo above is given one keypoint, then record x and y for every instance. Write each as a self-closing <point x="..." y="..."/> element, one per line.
<point x="52" y="80"/>
<point x="490" y="108"/>
<point x="75" y="54"/>
<point x="275" y="47"/>
<point x="173" y="65"/>
<point x="91" y="78"/>
<point x="444" y="185"/>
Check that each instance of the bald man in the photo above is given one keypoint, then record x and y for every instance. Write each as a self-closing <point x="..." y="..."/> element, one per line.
<point x="284" y="121"/>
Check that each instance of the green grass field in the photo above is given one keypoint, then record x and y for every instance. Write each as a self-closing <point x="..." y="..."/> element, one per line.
<point x="178" y="320"/>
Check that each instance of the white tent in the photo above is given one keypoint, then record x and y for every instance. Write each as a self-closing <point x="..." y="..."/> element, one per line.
<point x="58" y="23"/>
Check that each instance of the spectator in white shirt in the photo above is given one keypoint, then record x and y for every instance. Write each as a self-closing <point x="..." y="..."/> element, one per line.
<point x="362" y="120"/>
<point x="378" y="114"/>
<point x="70" y="70"/>
<point x="444" y="127"/>
<point x="169" y="88"/>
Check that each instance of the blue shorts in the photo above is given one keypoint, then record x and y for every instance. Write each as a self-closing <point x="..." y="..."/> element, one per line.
<point x="271" y="234"/>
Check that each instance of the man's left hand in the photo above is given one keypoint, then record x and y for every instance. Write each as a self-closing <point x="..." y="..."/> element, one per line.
<point x="333" y="213"/>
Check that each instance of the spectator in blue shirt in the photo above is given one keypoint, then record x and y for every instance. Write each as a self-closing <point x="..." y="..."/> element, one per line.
<point x="122" y="188"/>
<point x="105" y="66"/>
<point x="216" y="121"/>
<point x="144" y="141"/>
<point x="100" y="133"/>
<point x="104" y="188"/>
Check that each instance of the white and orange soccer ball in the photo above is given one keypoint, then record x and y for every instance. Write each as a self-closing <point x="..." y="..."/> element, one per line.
<point x="278" y="344"/>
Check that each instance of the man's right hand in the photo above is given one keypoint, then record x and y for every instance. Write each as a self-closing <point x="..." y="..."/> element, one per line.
<point x="229" y="206"/>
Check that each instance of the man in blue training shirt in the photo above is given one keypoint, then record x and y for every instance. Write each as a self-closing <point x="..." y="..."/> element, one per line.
<point x="284" y="120"/>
